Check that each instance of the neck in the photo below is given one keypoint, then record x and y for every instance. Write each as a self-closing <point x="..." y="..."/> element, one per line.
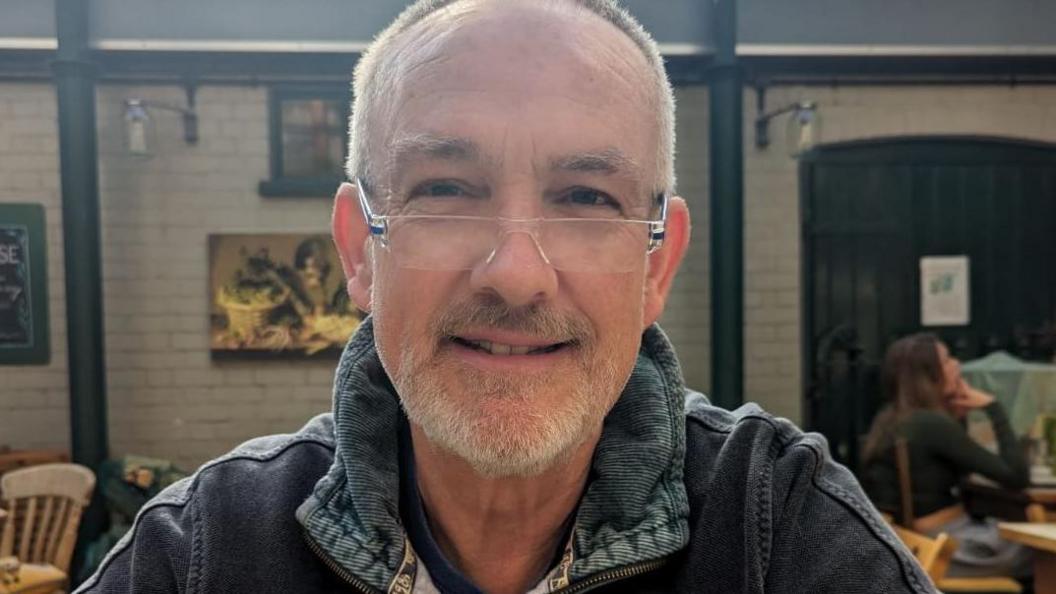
<point x="502" y="533"/>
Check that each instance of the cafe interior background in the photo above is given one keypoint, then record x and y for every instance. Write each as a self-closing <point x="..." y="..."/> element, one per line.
<point x="167" y="169"/>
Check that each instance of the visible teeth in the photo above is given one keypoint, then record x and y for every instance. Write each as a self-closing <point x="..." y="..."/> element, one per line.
<point x="496" y="348"/>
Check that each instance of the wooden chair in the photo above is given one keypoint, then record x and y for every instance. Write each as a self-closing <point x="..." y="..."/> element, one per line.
<point x="928" y="551"/>
<point x="935" y="554"/>
<point x="15" y="459"/>
<point x="22" y="578"/>
<point x="44" y="505"/>
<point x="1036" y="512"/>
<point x="905" y="486"/>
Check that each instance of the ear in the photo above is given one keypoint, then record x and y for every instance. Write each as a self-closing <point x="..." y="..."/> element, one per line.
<point x="664" y="262"/>
<point x="352" y="237"/>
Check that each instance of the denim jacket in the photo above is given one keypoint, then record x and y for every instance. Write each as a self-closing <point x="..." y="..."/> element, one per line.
<point x="682" y="497"/>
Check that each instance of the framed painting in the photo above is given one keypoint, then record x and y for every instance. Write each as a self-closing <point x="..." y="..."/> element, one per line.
<point x="23" y="286"/>
<point x="277" y="295"/>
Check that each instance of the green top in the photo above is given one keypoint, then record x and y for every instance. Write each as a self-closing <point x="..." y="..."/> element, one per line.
<point x="940" y="454"/>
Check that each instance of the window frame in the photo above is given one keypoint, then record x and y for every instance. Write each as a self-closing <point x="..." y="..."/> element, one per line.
<point x="280" y="184"/>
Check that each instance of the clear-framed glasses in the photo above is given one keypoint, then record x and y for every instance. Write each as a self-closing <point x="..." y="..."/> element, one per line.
<point x="460" y="242"/>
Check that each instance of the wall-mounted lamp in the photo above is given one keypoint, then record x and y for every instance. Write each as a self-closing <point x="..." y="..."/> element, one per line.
<point x="139" y="129"/>
<point x="803" y="128"/>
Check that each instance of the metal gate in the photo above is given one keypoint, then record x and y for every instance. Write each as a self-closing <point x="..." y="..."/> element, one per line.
<point x="870" y="211"/>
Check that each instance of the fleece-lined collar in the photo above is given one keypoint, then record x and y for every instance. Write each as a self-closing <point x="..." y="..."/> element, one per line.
<point x="634" y="509"/>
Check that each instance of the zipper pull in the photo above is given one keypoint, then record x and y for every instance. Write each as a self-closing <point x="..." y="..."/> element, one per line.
<point x="403" y="581"/>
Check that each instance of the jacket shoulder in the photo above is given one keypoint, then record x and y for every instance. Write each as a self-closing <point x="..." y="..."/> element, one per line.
<point x="265" y="449"/>
<point x="749" y="417"/>
<point x="249" y="493"/>
<point x="804" y="519"/>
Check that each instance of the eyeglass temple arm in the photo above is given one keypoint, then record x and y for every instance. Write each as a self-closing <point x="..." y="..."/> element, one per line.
<point x="656" y="229"/>
<point x="376" y="227"/>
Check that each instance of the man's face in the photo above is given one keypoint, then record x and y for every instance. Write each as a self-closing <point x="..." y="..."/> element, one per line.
<point x="489" y="114"/>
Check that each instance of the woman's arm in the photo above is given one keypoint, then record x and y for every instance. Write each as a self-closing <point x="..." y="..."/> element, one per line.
<point x="1008" y="467"/>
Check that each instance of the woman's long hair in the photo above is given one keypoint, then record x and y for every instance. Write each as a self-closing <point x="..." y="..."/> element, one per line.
<point x="913" y="379"/>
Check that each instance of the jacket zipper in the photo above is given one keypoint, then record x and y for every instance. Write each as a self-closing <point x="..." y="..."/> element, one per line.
<point x="341" y="572"/>
<point x="590" y="583"/>
<point x="613" y="575"/>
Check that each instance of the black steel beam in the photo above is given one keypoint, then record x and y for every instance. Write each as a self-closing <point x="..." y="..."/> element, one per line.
<point x="726" y="159"/>
<point x="249" y="68"/>
<point x="75" y="88"/>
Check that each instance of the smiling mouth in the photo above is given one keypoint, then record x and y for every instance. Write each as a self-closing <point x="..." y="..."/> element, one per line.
<point x="505" y="350"/>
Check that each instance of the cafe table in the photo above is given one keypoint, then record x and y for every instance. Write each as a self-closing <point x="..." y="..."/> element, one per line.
<point x="1042" y="539"/>
<point x="984" y="497"/>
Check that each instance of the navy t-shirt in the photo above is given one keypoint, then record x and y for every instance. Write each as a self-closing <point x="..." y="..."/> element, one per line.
<point x="446" y="577"/>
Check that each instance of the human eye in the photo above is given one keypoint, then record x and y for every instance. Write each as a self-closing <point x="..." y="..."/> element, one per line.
<point x="438" y="189"/>
<point x="590" y="199"/>
<point x="442" y="197"/>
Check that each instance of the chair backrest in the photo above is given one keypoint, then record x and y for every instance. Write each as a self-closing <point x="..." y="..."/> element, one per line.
<point x="905" y="485"/>
<point x="933" y="554"/>
<point x="15" y="459"/>
<point x="44" y="505"/>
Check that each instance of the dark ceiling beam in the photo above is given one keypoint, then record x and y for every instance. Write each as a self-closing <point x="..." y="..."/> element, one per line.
<point x="250" y="68"/>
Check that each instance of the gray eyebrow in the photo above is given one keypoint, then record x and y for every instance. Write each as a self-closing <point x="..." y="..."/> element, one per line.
<point x="609" y="161"/>
<point x="447" y="148"/>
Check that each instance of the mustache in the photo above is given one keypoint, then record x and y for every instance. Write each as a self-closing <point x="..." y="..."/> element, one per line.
<point x="536" y="320"/>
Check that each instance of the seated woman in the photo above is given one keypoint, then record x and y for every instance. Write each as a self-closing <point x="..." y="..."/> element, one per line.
<point x="927" y="402"/>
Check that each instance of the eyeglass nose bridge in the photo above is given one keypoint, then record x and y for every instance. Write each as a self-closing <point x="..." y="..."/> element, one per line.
<point x="507" y="227"/>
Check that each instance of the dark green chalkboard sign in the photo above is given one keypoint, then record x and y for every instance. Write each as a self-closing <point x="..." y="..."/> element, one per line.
<point x="23" y="285"/>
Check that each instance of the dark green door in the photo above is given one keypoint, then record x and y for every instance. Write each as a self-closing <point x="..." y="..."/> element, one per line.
<point x="870" y="211"/>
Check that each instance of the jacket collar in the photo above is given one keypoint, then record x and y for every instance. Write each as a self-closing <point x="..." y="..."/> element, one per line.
<point x="634" y="508"/>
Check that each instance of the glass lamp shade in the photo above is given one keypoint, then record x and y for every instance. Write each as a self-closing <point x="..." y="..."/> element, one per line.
<point x="804" y="129"/>
<point x="139" y="129"/>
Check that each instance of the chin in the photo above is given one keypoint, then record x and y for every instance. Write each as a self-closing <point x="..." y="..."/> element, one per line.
<point x="506" y="425"/>
<point x="502" y="437"/>
<point x="513" y="431"/>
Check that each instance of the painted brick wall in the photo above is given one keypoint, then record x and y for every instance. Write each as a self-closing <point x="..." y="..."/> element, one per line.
<point x="34" y="410"/>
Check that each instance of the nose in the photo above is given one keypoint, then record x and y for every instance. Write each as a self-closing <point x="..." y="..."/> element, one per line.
<point x="516" y="271"/>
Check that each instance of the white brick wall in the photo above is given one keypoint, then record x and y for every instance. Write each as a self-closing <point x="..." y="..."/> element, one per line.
<point x="34" y="405"/>
<point x="686" y="319"/>
<point x="167" y="398"/>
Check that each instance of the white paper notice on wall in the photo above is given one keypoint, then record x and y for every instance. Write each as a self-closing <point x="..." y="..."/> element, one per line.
<point x="944" y="289"/>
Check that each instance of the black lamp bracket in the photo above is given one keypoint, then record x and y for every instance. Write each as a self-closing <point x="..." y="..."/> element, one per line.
<point x="763" y="117"/>
<point x="190" y="116"/>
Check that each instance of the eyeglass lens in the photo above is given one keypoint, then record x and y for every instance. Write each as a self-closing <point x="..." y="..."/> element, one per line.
<point x="440" y="243"/>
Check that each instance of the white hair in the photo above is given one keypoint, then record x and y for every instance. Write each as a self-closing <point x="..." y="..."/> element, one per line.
<point x="374" y="81"/>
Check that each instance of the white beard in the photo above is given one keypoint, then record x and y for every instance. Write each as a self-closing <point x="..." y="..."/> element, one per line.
<point x="497" y="428"/>
<point x="501" y="424"/>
